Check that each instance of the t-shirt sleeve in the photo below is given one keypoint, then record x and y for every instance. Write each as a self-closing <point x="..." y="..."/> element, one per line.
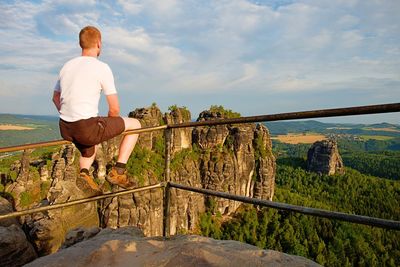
<point x="57" y="87"/>
<point x="107" y="82"/>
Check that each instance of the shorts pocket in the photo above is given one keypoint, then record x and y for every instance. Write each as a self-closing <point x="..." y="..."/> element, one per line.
<point x="91" y="132"/>
<point x="98" y="131"/>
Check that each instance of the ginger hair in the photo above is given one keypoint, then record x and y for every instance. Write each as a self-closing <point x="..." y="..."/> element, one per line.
<point x="88" y="37"/>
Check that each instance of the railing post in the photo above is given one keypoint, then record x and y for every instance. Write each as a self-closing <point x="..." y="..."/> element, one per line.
<point x="168" y="137"/>
<point x="167" y="189"/>
<point x="166" y="204"/>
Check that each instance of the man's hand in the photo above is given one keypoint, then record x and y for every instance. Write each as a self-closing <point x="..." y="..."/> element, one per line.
<point x="56" y="100"/>
<point x="113" y="105"/>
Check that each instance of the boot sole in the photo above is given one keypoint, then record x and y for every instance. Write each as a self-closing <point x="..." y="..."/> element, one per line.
<point x="125" y="186"/>
<point x="85" y="187"/>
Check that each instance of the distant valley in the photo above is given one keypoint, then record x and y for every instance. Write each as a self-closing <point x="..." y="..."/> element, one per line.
<point x="312" y="126"/>
<point x="23" y="129"/>
<point x="382" y="136"/>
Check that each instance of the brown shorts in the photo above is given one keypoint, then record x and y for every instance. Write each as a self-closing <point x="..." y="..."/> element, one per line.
<point x="85" y="134"/>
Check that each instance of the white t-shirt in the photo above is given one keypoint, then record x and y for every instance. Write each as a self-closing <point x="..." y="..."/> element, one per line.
<point x="80" y="82"/>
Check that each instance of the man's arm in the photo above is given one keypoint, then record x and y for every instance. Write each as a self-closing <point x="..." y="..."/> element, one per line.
<point x="56" y="100"/>
<point x="113" y="105"/>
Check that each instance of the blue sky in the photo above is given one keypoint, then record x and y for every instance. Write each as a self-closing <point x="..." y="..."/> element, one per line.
<point x="255" y="57"/>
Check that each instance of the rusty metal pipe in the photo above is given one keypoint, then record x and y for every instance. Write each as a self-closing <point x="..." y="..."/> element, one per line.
<point x="324" y="113"/>
<point x="80" y="201"/>
<point x="389" y="224"/>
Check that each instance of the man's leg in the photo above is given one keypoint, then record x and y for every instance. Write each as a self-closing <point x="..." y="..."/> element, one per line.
<point x="84" y="181"/>
<point x="129" y="141"/>
<point x="86" y="163"/>
<point x="118" y="174"/>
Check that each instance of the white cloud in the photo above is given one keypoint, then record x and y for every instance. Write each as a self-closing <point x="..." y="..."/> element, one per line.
<point x="131" y="6"/>
<point x="18" y="17"/>
<point x="136" y="39"/>
<point x="295" y="84"/>
<point x="321" y="40"/>
<point x="350" y="39"/>
<point x="74" y="3"/>
<point x="209" y="47"/>
<point x="162" y="10"/>
<point x="348" y="21"/>
<point x="144" y="51"/>
<point x="165" y="6"/>
<point x="241" y="17"/>
<point x="250" y="71"/>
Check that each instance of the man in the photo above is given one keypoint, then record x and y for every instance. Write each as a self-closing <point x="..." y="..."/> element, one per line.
<point x="76" y="97"/>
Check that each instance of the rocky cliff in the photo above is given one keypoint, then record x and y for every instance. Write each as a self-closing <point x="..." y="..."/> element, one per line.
<point x="324" y="158"/>
<point x="15" y="249"/>
<point x="231" y="158"/>
<point x="42" y="183"/>
<point x="128" y="247"/>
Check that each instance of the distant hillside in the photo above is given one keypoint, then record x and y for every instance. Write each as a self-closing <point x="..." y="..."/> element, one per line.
<point x="43" y="128"/>
<point x="46" y="128"/>
<point x="26" y="119"/>
<point x="384" y="129"/>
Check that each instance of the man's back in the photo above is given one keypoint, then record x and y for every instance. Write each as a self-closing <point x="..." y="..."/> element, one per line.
<point x="80" y="83"/>
<point x="76" y="96"/>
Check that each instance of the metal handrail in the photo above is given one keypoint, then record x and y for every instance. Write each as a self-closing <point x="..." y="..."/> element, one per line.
<point x="378" y="222"/>
<point x="360" y="110"/>
<point x="358" y="219"/>
<point x="65" y="142"/>
<point x="79" y="201"/>
<point x="323" y="113"/>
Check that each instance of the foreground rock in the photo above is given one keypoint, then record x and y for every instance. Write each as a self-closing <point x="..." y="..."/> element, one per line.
<point x="324" y="158"/>
<point x="15" y="250"/>
<point x="47" y="230"/>
<point x="128" y="247"/>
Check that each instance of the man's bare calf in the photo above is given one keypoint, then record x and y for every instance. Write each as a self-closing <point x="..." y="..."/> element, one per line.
<point x="129" y="141"/>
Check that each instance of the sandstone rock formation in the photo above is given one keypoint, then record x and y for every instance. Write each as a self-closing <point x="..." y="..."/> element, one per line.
<point x="231" y="158"/>
<point x="236" y="159"/>
<point x="48" y="229"/>
<point x="15" y="250"/>
<point x="128" y="247"/>
<point x="324" y="158"/>
<point x="143" y="209"/>
<point x="181" y="138"/>
<point x="27" y="187"/>
<point x="148" y="117"/>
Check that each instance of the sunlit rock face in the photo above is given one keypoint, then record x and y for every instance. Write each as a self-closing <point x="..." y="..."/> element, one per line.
<point x="231" y="158"/>
<point x="128" y="247"/>
<point x="324" y="158"/>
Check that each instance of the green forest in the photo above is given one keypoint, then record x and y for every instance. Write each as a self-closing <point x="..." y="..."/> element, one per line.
<point x="384" y="164"/>
<point x="375" y="157"/>
<point x="328" y="242"/>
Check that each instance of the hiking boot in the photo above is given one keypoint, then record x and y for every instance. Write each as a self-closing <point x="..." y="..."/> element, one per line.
<point x="121" y="180"/>
<point x="86" y="184"/>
